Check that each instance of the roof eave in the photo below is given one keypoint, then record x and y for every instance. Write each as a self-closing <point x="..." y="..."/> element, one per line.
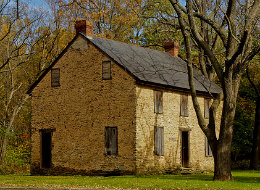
<point x="174" y="88"/>
<point x="36" y="82"/>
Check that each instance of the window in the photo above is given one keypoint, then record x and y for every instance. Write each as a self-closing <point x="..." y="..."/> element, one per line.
<point x="208" y="151"/>
<point x="206" y="108"/>
<point x="106" y="70"/>
<point x="159" y="141"/>
<point x="55" y="77"/>
<point x="184" y="105"/>
<point x="158" y="101"/>
<point x="111" y="144"/>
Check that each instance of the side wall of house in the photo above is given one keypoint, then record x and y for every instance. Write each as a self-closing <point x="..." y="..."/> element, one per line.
<point x="79" y="110"/>
<point x="173" y="125"/>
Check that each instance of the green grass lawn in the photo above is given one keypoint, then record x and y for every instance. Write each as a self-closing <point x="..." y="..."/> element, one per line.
<point x="243" y="180"/>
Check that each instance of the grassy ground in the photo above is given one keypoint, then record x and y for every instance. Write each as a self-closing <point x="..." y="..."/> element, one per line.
<point x="243" y="180"/>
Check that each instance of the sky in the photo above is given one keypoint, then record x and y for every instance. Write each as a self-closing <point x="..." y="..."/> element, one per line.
<point x="36" y="3"/>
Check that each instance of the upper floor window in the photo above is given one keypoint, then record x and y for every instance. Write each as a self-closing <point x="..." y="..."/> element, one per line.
<point x="158" y="101"/>
<point x="55" y="77"/>
<point x="106" y="70"/>
<point x="184" y="105"/>
<point x="206" y="107"/>
<point x="111" y="141"/>
<point x="159" y="141"/>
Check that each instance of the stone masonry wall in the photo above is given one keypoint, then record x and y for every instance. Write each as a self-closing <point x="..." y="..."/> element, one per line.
<point x="174" y="124"/>
<point x="79" y="110"/>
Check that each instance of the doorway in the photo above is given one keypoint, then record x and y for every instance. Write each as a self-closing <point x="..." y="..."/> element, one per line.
<point x="46" y="149"/>
<point x="185" y="149"/>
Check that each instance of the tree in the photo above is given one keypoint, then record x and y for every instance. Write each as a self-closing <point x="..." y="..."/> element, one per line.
<point x="158" y="24"/>
<point x="113" y="19"/>
<point x="14" y="39"/>
<point x="253" y="78"/>
<point x="232" y="26"/>
<point x="28" y="44"/>
<point x="242" y="142"/>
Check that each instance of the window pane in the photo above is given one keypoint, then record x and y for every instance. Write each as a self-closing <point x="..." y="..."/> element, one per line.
<point x="206" y="108"/>
<point x="208" y="151"/>
<point x="106" y="70"/>
<point x="55" y="77"/>
<point x="111" y="144"/>
<point x="184" y="106"/>
<point x="159" y="141"/>
<point x="158" y="102"/>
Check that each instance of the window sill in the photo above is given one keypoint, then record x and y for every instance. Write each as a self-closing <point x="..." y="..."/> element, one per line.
<point x="112" y="155"/>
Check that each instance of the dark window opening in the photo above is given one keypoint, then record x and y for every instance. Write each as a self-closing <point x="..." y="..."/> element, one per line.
<point x="106" y="70"/>
<point x="159" y="141"/>
<point x="111" y="141"/>
<point x="55" y="77"/>
<point x="46" y="149"/>
<point x="184" y="106"/>
<point x="158" y="101"/>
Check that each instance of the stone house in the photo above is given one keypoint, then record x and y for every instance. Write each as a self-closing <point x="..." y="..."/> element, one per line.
<point x="107" y="107"/>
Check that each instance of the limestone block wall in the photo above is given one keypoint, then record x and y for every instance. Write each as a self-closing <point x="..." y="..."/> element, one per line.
<point x="80" y="109"/>
<point x="173" y="124"/>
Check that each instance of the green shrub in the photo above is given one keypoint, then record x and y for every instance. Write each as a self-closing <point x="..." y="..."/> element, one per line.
<point x="240" y="165"/>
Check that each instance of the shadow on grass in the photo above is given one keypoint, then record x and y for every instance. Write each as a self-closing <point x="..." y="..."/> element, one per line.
<point x="249" y="179"/>
<point x="188" y="177"/>
<point x="208" y="177"/>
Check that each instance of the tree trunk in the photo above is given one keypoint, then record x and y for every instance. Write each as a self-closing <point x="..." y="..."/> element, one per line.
<point x="222" y="155"/>
<point x="3" y="149"/>
<point x="222" y="151"/>
<point x="256" y="139"/>
<point x="222" y="159"/>
<point x="222" y="170"/>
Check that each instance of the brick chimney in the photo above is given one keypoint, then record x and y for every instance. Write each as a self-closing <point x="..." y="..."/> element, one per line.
<point x="84" y="26"/>
<point x="172" y="48"/>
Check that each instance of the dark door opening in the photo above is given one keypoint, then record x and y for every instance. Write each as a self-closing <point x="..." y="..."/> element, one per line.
<point x="185" y="149"/>
<point x="46" y="149"/>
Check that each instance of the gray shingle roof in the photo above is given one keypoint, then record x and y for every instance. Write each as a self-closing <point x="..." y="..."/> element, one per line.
<point x="153" y="66"/>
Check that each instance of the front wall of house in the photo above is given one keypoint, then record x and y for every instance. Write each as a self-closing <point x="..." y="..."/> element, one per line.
<point x="173" y="125"/>
<point x="78" y="112"/>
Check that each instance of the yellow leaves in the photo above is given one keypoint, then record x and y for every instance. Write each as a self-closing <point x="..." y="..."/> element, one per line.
<point x="4" y="29"/>
<point x="112" y="18"/>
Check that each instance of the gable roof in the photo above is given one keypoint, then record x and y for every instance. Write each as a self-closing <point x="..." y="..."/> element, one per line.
<point x="153" y="66"/>
<point x="147" y="65"/>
